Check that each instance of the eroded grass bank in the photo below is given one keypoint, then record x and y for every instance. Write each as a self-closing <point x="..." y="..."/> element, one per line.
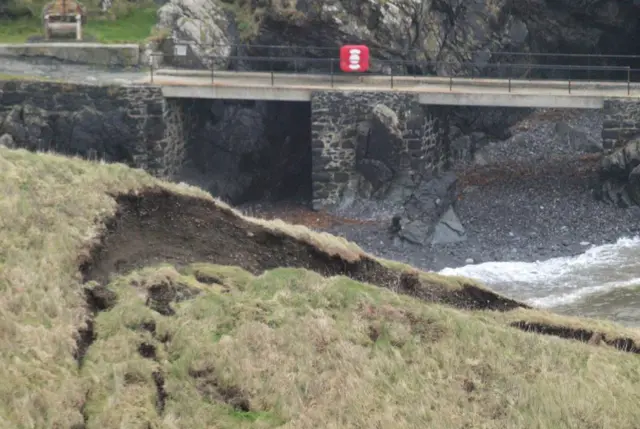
<point x="121" y="308"/>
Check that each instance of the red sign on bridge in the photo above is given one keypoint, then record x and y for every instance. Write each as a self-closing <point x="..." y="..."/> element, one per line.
<point x="354" y="58"/>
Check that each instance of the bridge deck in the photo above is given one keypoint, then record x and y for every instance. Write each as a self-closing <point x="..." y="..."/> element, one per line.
<point x="430" y="90"/>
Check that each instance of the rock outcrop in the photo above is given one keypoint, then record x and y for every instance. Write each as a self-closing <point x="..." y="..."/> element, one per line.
<point x="242" y="151"/>
<point x="117" y="124"/>
<point x="620" y="176"/>
<point x="84" y="132"/>
<point x="205" y="24"/>
<point x="448" y="31"/>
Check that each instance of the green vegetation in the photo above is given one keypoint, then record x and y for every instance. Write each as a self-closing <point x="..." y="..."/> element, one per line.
<point x="122" y="25"/>
<point x="7" y="76"/>
<point x="200" y="345"/>
<point x="248" y="16"/>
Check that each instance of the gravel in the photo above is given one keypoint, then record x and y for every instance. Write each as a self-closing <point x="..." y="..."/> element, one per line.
<point x="530" y="201"/>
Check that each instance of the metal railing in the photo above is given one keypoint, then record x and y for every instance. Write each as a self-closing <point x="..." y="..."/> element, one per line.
<point x="280" y="70"/>
<point x="333" y="51"/>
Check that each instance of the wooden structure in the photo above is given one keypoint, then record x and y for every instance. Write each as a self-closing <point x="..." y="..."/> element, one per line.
<point x="63" y="17"/>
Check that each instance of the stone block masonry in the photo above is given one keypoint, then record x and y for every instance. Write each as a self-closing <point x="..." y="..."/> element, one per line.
<point x="384" y="134"/>
<point x="621" y="122"/>
<point x="130" y="124"/>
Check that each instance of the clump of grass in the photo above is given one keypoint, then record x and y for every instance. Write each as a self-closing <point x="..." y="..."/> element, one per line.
<point x="287" y="347"/>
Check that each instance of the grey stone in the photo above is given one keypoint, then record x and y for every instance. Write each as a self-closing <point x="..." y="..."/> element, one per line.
<point x="416" y="232"/>
<point x="461" y="148"/>
<point x="6" y="140"/>
<point x="204" y="26"/>
<point x="479" y="159"/>
<point x="449" y="229"/>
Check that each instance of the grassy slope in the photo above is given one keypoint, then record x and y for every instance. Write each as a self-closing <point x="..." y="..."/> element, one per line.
<point x="294" y="349"/>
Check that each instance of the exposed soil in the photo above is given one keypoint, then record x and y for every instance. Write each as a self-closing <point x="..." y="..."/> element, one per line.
<point x="210" y="387"/>
<point x="158" y="226"/>
<point x="584" y="335"/>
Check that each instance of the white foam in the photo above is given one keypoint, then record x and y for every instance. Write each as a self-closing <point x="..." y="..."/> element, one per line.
<point x="568" y="298"/>
<point x="560" y="281"/>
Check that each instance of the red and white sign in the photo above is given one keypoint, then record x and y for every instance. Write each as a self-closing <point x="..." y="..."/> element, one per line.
<point x="354" y="58"/>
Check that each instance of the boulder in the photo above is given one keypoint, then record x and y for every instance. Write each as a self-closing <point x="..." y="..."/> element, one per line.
<point x="423" y="206"/>
<point x="449" y="229"/>
<point x="6" y="141"/>
<point x="619" y="175"/>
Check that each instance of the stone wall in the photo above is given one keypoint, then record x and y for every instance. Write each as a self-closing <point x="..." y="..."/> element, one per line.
<point x="371" y="136"/>
<point x="112" y="55"/>
<point x="115" y="123"/>
<point x="621" y="122"/>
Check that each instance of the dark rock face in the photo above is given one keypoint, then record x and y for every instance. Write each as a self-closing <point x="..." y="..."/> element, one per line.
<point x="252" y="150"/>
<point x="117" y="124"/>
<point x="449" y="31"/>
<point x="620" y="176"/>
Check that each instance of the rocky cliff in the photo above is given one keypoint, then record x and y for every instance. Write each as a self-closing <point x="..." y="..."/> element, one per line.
<point x="450" y="31"/>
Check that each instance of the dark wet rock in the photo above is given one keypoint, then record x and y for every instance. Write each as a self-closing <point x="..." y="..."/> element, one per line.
<point x="449" y="229"/>
<point x="379" y="148"/>
<point x="620" y="176"/>
<point x="421" y="205"/>
<point x="251" y="150"/>
<point x="83" y="132"/>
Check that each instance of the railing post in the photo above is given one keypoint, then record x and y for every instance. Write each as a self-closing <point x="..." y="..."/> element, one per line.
<point x="391" y="70"/>
<point x="509" y="83"/>
<point x="569" y="73"/>
<point x="628" y="80"/>
<point x="213" y="71"/>
<point x="450" y="83"/>
<point x="271" y="68"/>
<point x="151" y="66"/>
<point x="331" y="70"/>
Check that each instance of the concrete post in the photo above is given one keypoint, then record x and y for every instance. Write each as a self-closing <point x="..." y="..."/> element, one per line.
<point x="46" y="27"/>
<point x="78" y="27"/>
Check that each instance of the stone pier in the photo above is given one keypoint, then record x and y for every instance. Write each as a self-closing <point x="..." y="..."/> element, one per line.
<point x="372" y="137"/>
